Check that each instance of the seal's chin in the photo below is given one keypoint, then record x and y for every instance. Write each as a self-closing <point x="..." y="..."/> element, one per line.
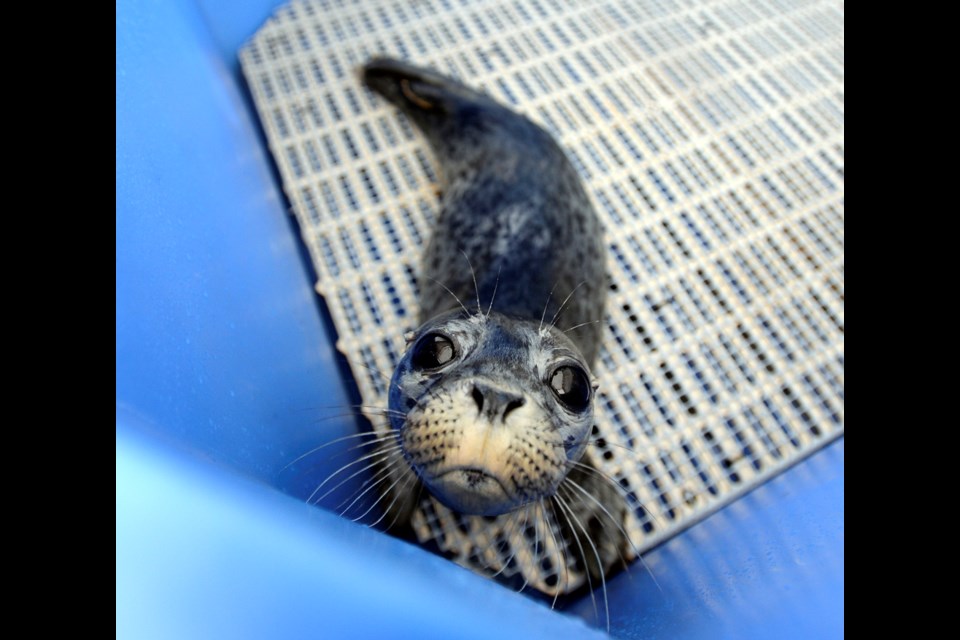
<point x="471" y="491"/>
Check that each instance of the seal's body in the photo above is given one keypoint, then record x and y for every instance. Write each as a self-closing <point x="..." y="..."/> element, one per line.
<point x="493" y="402"/>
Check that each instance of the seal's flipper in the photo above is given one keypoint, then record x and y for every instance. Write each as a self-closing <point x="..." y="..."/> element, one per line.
<point x="415" y="89"/>
<point x="460" y="123"/>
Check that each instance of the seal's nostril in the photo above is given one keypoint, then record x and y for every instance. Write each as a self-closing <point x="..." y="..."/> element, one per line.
<point x="495" y="403"/>
<point x="478" y="398"/>
<point x="513" y="404"/>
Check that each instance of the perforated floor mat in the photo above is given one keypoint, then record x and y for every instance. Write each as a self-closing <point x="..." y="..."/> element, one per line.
<point x="710" y="137"/>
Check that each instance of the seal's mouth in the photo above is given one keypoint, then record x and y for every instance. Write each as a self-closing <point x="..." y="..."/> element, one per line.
<point x="471" y="491"/>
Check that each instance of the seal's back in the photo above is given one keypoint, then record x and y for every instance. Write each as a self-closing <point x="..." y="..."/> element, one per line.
<point x="514" y="213"/>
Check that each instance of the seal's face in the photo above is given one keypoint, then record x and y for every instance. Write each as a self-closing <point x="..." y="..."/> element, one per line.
<point x="490" y="410"/>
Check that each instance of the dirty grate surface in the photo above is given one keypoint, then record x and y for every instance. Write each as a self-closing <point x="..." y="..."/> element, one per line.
<point x="710" y="137"/>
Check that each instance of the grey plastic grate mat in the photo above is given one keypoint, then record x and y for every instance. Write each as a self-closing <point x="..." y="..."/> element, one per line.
<point x="710" y="137"/>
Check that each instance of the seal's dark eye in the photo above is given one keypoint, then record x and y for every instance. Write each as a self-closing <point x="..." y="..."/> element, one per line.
<point x="572" y="388"/>
<point x="432" y="352"/>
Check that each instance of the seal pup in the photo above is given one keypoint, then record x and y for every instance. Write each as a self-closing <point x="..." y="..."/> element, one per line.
<point x="492" y="404"/>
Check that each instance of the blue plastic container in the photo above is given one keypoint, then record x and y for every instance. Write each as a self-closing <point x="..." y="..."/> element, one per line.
<point x="224" y="368"/>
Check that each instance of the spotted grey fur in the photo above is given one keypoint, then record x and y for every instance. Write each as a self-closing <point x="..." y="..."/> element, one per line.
<point x="514" y="278"/>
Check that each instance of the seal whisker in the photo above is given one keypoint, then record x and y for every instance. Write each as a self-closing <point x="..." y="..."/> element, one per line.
<point x="386" y="492"/>
<point x="376" y="456"/>
<point x="368" y="484"/>
<point x="337" y="416"/>
<point x="559" y="551"/>
<point x="409" y="477"/>
<point x="603" y="442"/>
<point x="582" y="324"/>
<point x="330" y="407"/>
<point x="505" y="536"/>
<point x="547" y="304"/>
<point x="616" y="523"/>
<point x="375" y="438"/>
<point x="390" y="467"/>
<point x="326" y="407"/>
<point x="537" y="519"/>
<point x="473" y="274"/>
<point x="600" y="441"/>
<point x="627" y="499"/>
<point x="380" y="440"/>
<point x="357" y="413"/>
<point x="419" y="500"/>
<point x="496" y="285"/>
<point x="523" y="539"/>
<point x="455" y="297"/>
<point x="596" y="554"/>
<point x="492" y="547"/>
<point x="613" y="483"/>
<point x="556" y="315"/>
<point x="563" y="507"/>
<point x="384" y="411"/>
<point x="514" y="536"/>
<point x="523" y="545"/>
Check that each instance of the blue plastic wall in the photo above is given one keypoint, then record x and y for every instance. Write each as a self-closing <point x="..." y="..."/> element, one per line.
<point x="225" y="373"/>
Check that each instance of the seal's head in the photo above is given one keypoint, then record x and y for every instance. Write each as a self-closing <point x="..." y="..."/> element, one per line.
<point x="489" y="409"/>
